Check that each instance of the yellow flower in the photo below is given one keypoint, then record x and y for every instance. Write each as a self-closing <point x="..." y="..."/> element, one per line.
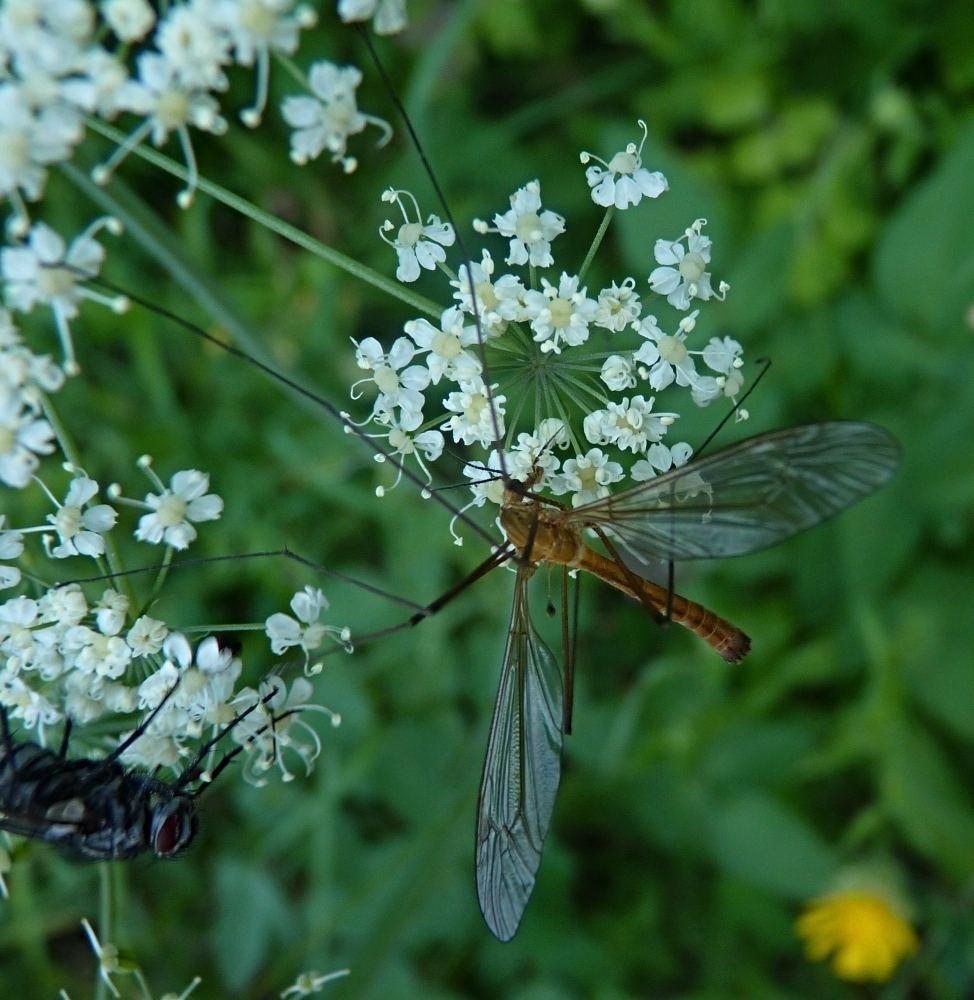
<point x="863" y="933"/>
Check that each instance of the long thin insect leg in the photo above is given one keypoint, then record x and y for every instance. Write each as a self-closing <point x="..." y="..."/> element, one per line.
<point x="734" y="409"/>
<point x="670" y="572"/>
<point x="187" y="772"/>
<point x="467" y="269"/>
<point x="63" y="752"/>
<point x="137" y="733"/>
<point x="575" y="603"/>
<point x="660" y="619"/>
<point x="494" y="560"/>
<point x="567" y="657"/>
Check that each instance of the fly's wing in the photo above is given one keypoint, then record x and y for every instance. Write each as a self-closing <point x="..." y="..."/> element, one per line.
<point x="521" y="773"/>
<point x="749" y="496"/>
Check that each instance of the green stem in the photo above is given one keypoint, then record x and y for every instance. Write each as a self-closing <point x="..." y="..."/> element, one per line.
<point x="271" y="222"/>
<point x="163" y="573"/>
<point x="104" y="920"/>
<point x="587" y="263"/>
<point x="73" y="456"/>
<point x="292" y="68"/>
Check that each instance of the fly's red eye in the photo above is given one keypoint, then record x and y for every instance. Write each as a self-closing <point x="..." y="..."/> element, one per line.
<point x="167" y="836"/>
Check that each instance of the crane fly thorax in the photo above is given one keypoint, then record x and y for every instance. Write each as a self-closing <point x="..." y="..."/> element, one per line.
<point x="554" y="540"/>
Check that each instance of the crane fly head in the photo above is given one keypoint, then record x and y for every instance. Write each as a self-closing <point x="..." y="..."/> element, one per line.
<point x="173" y="826"/>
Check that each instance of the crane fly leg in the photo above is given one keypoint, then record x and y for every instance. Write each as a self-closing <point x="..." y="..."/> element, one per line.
<point x="661" y="619"/>
<point x="567" y="653"/>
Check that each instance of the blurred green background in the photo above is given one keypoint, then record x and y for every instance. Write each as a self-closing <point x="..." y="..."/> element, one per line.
<point x="830" y="144"/>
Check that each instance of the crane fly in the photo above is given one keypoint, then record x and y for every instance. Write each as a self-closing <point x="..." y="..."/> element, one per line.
<point x="739" y="500"/>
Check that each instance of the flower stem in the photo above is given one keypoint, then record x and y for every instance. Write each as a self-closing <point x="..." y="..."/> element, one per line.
<point x="104" y="919"/>
<point x="596" y="243"/>
<point x="292" y="68"/>
<point x="163" y="573"/>
<point x="289" y="232"/>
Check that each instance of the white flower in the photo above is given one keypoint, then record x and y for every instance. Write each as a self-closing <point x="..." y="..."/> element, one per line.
<point x="659" y="458"/>
<point x="722" y="356"/>
<point x="666" y="355"/>
<point x="157" y="685"/>
<point x="194" y="48"/>
<point x="403" y="443"/>
<point x="618" y="306"/>
<point x="587" y="477"/>
<point x="617" y="373"/>
<point x="498" y="302"/>
<point x="46" y="272"/>
<point x="326" y="120"/>
<point x="390" y="15"/>
<point x="529" y="229"/>
<point x="623" y="180"/>
<point x="311" y="982"/>
<point x="684" y="275"/>
<point x="533" y="458"/>
<point x="97" y="85"/>
<point x="167" y="105"/>
<point x="472" y="420"/>
<point x="560" y="315"/>
<point x="146" y="636"/>
<point x="110" y="612"/>
<point x="399" y="387"/>
<point x="447" y="355"/>
<point x="284" y="632"/>
<point x="11" y="547"/>
<point x="629" y="425"/>
<point x="255" y="28"/>
<point x="64" y="606"/>
<point x="91" y="652"/>
<point x="175" y="508"/>
<point x="417" y="245"/>
<point x="131" y="20"/>
<point x="79" y="526"/>
<point x="486" y="482"/>
<point x="273" y="725"/>
<point x="23" y="436"/>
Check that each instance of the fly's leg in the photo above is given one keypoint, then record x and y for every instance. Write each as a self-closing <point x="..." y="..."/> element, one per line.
<point x="63" y="752"/>
<point x="660" y="619"/>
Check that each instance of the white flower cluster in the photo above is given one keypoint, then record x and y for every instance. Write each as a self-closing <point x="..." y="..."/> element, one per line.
<point x="535" y="328"/>
<point x="62" y="59"/>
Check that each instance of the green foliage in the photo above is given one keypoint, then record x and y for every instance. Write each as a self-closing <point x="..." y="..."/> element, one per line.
<point x="830" y="146"/>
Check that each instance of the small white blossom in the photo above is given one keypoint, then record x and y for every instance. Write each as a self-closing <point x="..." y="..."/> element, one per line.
<point x="166" y="105"/>
<point x="587" y="477"/>
<point x="46" y="272"/>
<point x="560" y="315"/>
<point x="623" y="180"/>
<point x="472" y="418"/>
<point x="131" y="20"/>
<point x="64" y="606"/>
<point x="326" y="120"/>
<point x="304" y="631"/>
<point x="659" y="458"/>
<point x="667" y="356"/>
<point x="529" y="229"/>
<point x="146" y="636"/>
<point x="11" y="547"/>
<point x="629" y="425"/>
<point x="23" y="437"/>
<point x="403" y="443"/>
<point x="91" y="652"/>
<point x="110" y="612"/>
<point x="389" y="15"/>
<point x="416" y="244"/>
<point x="175" y="510"/>
<point x="400" y="387"/>
<point x="498" y="301"/>
<point x="98" y="83"/>
<point x="617" y="373"/>
<point x="619" y="306"/>
<point x="79" y="525"/>
<point x="447" y="346"/>
<point x="193" y="47"/>
<point x="684" y="274"/>
<point x="311" y="982"/>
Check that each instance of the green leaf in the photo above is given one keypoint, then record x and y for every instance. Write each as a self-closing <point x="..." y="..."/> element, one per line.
<point x="923" y="793"/>
<point x="757" y="839"/>
<point x="924" y="263"/>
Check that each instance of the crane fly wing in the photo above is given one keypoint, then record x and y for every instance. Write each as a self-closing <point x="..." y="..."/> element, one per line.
<point x="749" y="496"/>
<point x="521" y="772"/>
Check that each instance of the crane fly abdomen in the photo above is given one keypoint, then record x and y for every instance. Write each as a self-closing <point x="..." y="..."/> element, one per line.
<point x="89" y="809"/>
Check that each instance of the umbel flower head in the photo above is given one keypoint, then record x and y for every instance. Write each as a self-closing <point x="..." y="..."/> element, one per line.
<point x="862" y="929"/>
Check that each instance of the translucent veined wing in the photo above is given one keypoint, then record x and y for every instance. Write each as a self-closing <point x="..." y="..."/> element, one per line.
<point x="749" y="496"/>
<point x="521" y="772"/>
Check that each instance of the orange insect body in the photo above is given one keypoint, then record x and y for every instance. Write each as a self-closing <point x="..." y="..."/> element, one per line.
<point x="560" y="543"/>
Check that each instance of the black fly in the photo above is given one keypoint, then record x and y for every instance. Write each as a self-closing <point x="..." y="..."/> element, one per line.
<point x="96" y="810"/>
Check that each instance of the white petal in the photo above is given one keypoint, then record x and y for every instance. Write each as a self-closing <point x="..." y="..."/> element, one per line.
<point x="9" y="577"/>
<point x="179" y="535"/>
<point x="99" y="518"/>
<point x="207" y="508"/>
<point x="190" y="483"/>
<point x="80" y="492"/>
<point x="664" y="280"/>
<point x="668" y="252"/>
<point x="408" y="269"/>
